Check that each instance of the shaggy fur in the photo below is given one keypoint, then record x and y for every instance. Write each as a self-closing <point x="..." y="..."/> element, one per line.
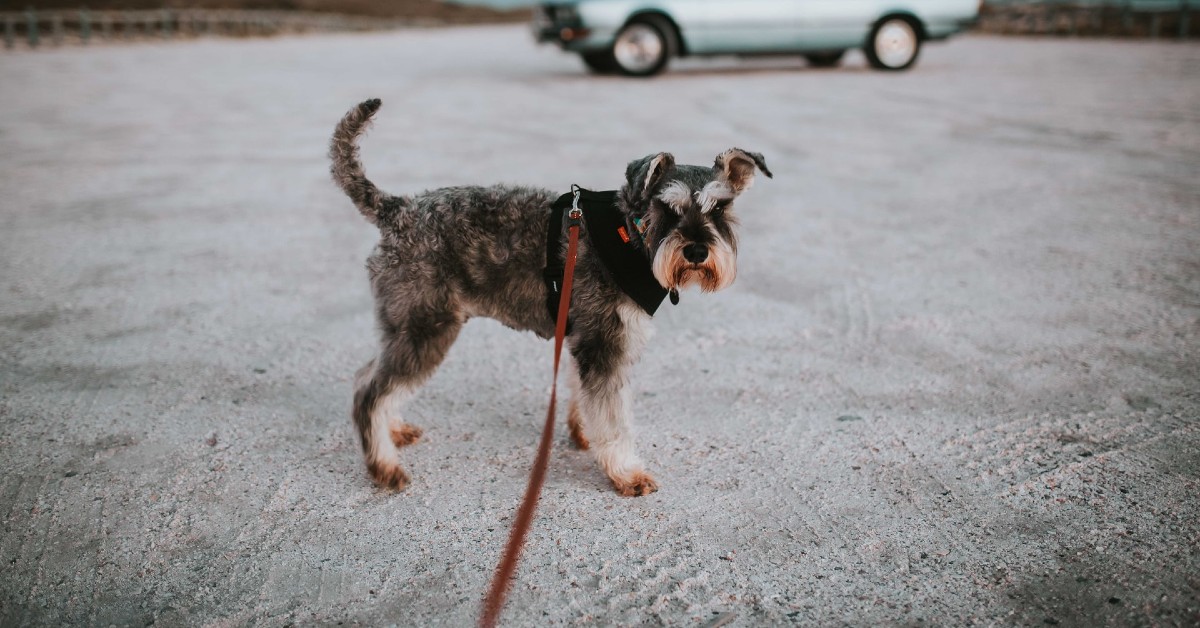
<point x="454" y="253"/>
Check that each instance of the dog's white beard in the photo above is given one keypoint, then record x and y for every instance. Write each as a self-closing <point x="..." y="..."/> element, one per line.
<point x="673" y="271"/>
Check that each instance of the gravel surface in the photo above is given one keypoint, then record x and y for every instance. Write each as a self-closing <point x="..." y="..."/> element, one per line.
<point x="955" y="383"/>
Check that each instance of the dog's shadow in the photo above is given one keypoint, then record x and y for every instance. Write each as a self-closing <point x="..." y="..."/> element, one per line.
<point x="504" y="454"/>
<point x="483" y="412"/>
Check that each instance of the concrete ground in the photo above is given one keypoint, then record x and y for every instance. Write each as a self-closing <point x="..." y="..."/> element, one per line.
<point x="956" y="382"/>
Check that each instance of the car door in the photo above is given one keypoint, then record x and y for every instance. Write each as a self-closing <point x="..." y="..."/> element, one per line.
<point x="836" y="24"/>
<point x="746" y="26"/>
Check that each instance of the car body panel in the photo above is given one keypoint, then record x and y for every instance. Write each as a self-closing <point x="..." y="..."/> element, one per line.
<point x="708" y="27"/>
<point x="757" y="26"/>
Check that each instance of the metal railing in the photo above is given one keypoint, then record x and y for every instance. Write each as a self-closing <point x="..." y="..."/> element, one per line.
<point x="35" y="28"/>
<point x="1109" y="18"/>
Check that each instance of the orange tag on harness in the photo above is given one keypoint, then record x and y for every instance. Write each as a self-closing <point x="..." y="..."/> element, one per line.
<point x="624" y="234"/>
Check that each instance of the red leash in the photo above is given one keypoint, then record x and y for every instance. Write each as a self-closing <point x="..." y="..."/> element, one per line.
<point x="498" y="590"/>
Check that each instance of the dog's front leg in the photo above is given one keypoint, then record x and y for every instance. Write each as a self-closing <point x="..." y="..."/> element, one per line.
<point x="601" y="405"/>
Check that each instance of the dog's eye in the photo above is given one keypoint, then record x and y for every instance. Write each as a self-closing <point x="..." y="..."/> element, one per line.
<point x="720" y="206"/>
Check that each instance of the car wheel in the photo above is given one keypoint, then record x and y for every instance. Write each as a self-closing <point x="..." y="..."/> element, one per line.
<point x="894" y="44"/>
<point x="825" y="59"/>
<point x="644" y="46"/>
<point x="600" y="62"/>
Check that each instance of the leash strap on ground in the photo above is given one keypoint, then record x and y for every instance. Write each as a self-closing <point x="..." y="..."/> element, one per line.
<point x="501" y="580"/>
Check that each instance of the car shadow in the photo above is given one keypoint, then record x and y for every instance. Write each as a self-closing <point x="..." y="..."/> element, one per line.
<point x="758" y="70"/>
<point x="750" y="68"/>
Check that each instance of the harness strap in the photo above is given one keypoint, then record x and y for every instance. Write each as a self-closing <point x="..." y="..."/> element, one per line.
<point x="501" y="580"/>
<point x="615" y="241"/>
<point x="553" y="273"/>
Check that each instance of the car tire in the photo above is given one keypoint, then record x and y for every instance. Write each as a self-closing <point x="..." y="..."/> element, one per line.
<point x="599" y="62"/>
<point x="825" y="59"/>
<point x="893" y="44"/>
<point x="644" y="46"/>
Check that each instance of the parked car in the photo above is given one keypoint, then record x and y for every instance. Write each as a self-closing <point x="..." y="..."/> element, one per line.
<point x="639" y="37"/>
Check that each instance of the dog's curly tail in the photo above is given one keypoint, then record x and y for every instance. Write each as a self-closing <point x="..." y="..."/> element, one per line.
<point x="347" y="170"/>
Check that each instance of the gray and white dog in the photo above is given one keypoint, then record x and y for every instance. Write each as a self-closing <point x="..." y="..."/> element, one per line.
<point x="450" y="254"/>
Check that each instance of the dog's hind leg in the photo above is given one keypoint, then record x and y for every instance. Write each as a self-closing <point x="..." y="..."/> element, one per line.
<point x="401" y="433"/>
<point x="374" y="391"/>
<point x="410" y="354"/>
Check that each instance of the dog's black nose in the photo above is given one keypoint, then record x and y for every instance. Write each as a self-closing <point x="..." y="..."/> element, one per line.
<point x="695" y="253"/>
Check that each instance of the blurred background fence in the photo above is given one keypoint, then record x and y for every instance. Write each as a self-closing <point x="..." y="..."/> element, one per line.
<point x="1105" y="18"/>
<point x="32" y="27"/>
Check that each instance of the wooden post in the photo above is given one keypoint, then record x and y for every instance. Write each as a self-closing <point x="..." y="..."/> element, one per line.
<point x="1127" y="17"/>
<point x="1155" y="24"/>
<point x="1185" y="16"/>
<point x="85" y="25"/>
<point x="106" y="26"/>
<point x="166" y="23"/>
<point x="31" y="26"/>
<point x="129" y="25"/>
<point x="10" y="34"/>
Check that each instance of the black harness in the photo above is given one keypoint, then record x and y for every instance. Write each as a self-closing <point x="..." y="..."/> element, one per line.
<point x="613" y="240"/>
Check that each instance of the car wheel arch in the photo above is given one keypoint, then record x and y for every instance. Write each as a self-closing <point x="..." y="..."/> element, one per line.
<point x="908" y="16"/>
<point x="680" y="43"/>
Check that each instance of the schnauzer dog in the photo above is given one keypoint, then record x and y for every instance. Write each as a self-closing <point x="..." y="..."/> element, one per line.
<point x="450" y="254"/>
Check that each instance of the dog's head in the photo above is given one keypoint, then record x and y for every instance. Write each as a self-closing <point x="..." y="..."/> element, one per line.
<point x="687" y="215"/>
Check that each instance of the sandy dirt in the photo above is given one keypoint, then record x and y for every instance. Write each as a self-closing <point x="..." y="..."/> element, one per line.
<point x="955" y="383"/>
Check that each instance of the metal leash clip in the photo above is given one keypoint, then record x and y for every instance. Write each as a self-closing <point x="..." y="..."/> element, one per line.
<point x="575" y="214"/>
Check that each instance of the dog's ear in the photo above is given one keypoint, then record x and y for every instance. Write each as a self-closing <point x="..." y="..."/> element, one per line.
<point x="736" y="168"/>
<point x="645" y="173"/>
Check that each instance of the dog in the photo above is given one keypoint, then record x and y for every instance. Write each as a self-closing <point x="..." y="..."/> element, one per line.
<point x="451" y="254"/>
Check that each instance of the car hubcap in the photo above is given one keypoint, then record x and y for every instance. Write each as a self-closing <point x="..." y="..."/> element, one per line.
<point x="895" y="43"/>
<point x="639" y="48"/>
